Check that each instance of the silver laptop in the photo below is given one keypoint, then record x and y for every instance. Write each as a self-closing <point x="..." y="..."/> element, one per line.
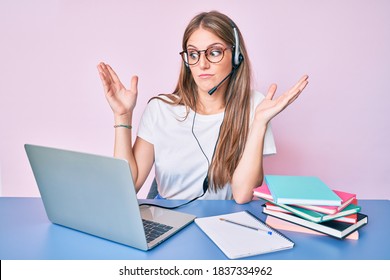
<point x="95" y="194"/>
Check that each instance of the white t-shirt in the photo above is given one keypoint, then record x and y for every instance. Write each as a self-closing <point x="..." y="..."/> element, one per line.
<point x="180" y="165"/>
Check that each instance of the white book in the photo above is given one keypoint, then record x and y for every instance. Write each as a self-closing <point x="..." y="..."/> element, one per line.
<point x="241" y="234"/>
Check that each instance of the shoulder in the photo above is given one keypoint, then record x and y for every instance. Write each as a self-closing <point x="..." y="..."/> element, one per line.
<point x="163" y="101"/>
<point x="158" y="111"/>
<point x="166" y="104"/>
<point x="170" y="99"/>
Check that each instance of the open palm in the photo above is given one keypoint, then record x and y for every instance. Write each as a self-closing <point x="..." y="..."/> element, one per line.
<point x="121" y="100"/>
<point x="270" y="107"/>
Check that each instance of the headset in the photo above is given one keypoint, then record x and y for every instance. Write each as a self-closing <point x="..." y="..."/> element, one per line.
<point x="237" y="58"/>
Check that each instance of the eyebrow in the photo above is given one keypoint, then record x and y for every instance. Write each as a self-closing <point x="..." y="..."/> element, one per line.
<point x="212" y="45"/>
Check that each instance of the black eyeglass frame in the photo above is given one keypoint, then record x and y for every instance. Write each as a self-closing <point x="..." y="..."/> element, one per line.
<point x="182" y="53"/>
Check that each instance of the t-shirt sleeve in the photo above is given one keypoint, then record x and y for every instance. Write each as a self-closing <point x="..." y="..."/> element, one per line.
<point x="147" y="122"/>
<point x="269" y="142"/>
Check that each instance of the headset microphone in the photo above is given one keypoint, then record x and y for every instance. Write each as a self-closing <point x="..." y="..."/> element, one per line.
<point x="211" y="91"/>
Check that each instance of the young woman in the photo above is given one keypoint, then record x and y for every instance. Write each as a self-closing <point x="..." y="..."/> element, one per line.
<point x="207" y="138"/>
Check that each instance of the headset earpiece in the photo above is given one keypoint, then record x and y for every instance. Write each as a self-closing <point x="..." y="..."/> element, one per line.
<point x="185" y="57"/>
<point x="237" y="56"/>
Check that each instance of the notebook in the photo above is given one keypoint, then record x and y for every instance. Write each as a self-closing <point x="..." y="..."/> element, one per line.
<point x="241" y="234"/>
<point x="285" y="225"/>
<point x="346" y="199"/>
<point x="313" y="215"/>
<point x="336" y="229"/>
<point x="309" y="190"/>
<point x="96" y="195"/>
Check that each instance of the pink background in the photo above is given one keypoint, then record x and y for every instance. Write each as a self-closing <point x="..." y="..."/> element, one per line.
<point x="50" y="93"/>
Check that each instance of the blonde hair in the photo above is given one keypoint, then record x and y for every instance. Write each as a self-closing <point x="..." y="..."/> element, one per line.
<point x="234" y="129"/>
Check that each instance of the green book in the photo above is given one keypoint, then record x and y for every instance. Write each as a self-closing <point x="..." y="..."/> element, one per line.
<point x="313" y="215"/>
<point x="305" y="190"/>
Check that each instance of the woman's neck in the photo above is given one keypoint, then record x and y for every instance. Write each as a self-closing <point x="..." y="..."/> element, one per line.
<point x="211" y="104"/>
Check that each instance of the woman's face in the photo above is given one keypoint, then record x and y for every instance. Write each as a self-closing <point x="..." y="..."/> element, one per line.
<point x="205" y="73"/>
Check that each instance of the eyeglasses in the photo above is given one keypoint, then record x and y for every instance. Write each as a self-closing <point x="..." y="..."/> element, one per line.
<point x="213" y="54"/>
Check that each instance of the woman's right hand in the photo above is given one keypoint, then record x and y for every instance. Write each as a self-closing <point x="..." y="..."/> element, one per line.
<point x="122" y="100"/>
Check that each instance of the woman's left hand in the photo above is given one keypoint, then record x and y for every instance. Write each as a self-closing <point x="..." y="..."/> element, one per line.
<point x="270" y="107"/>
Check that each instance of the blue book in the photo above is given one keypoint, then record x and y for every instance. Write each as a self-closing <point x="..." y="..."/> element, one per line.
<point x="305" y="190"/>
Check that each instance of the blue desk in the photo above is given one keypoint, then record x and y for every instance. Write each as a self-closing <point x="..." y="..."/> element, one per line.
<point x="26" y="233"/>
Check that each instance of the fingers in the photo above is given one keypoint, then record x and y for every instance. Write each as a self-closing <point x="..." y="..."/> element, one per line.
<point x="291" y="95"/>
<point x="300" y="85"/>
<point x="303" y="78"/>
<point x="104" y="82"/>
<point x="104" y="76"/>
<point x="271" y="91"/>
<point x="104" y="73"/>
<point x="110" y="75"/>
<point x="113" y="75"/>
<point x="134" y="84"/>
<point x="296" y="90"/>
<point x="303" y="83"/>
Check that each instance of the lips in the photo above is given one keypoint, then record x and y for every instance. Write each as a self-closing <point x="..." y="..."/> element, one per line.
<point x="205" y="76"/>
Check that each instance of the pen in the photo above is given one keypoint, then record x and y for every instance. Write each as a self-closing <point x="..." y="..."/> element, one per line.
<point x="254" y="228"/>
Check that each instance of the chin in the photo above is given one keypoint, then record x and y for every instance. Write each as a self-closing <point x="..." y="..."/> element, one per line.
<point x="205" y="87"/>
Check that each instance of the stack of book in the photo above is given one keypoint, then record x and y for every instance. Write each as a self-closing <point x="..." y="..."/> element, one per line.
<point x="305" y="202"/>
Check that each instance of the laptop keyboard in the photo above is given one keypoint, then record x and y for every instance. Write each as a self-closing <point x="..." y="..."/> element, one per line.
<point x="154" y="230"/>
